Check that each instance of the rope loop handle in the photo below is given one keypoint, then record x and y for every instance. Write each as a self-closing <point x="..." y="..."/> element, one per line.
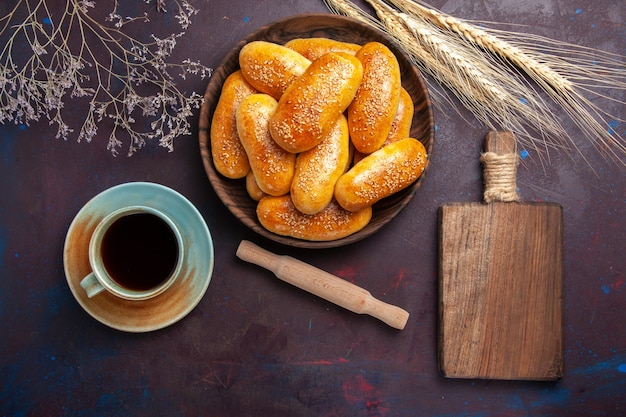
<point x="500" y="173"/>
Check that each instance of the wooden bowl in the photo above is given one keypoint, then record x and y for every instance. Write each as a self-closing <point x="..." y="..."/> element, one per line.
<point x="233" y="192"/>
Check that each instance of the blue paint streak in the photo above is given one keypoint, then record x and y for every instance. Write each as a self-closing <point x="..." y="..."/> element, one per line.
<point x="602" y="367"/>
<point x="47" y="21"/>
<point x="557" y="396"/>
<point x="606" y="289"/>
<point x="524" y="154"/>
<point x="55" y="299"/>
<point x="15" y="399"/>
<point x="516" y="402"/>
<point x="612" y="126"/>
<point x="523" y="100"/>
<point x="108" y="401"/>
<point x="246" y="19"/>
<point x="579" y="11"/>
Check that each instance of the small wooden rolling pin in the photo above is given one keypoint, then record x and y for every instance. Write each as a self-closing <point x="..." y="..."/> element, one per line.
<point x="323" y="284"/>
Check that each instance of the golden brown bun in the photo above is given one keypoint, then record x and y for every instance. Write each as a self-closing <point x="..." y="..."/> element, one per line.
<point x="271" y="67"/>
<point x="273" y="167"/>
<point x="380" y="174"/>
<point x="313" y="48"/>
<point x="373" y="109"/>
<point x="310" y="106"/>
<point x="401" y="126"/>
<point x="319" y="168"/>
<point x="280" y="216"/>
<point x="229" y="156"/>
<point x="252" y="187"/>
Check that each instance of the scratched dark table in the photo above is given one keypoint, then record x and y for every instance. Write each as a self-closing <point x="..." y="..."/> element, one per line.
<point x="255" y="346"/>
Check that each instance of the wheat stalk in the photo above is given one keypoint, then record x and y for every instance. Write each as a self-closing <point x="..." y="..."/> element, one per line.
<point x="539" y="66"/>
<point x="473" y="62"/>
<point x="479" y="37"/>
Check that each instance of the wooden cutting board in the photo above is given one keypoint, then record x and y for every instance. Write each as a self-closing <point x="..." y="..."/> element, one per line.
<point x="501" y="278"/>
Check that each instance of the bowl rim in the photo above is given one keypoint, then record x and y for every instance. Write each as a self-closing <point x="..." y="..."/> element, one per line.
<point x="226" y="67"/>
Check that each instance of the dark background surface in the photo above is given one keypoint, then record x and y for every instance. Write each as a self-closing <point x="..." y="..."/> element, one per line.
<point x="255" y="346"/>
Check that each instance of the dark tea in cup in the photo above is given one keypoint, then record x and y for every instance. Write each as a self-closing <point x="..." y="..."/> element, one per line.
<point x="135" y="253"/>
<point x="139" y="251"/>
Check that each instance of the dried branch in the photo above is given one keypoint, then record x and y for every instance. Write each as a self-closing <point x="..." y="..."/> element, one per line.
<point x="123" y="78"/>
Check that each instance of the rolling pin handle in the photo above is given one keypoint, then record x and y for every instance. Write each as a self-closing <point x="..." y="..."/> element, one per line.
<point x="252" y="253"/>
<point x="394" y="316"/>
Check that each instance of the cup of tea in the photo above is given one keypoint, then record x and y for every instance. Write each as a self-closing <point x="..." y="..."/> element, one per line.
<point x="135" y="253"/>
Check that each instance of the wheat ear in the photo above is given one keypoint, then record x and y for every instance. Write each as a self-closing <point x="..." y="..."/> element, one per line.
<point x="475" y="35"/>
<point x="566" y="82"/>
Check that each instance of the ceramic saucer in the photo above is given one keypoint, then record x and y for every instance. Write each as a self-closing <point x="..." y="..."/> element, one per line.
<point x="177" y="301"/>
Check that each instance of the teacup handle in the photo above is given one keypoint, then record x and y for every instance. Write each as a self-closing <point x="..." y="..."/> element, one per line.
<point x="91" y="285"/>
